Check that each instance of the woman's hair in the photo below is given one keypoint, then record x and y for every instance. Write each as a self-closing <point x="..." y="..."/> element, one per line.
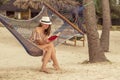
<point x="46" y="31"/>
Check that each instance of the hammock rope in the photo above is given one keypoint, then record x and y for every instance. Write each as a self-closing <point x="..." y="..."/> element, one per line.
<point x="22" y="29"/>
<point x="30" y="48"/>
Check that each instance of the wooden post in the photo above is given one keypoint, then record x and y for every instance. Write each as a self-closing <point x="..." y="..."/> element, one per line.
<point x="75" y="40"/>
<point x="29" y="13"/>
<point x="83" y="40"/>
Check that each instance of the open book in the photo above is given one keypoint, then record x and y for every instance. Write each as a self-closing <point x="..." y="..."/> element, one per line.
<point x="52" y="38"/>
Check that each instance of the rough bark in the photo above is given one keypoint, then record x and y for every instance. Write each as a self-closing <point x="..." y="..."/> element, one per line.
<point x="96" y="54"/>
<point x="106" y="25"/>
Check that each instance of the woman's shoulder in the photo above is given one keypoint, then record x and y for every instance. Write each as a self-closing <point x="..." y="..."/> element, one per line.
<point x="37" y="29"/>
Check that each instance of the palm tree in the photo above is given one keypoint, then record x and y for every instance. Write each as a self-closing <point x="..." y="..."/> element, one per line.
<point x="106" y="25"/>
<point x="104" y="9"/>
<point x="96" y="53"/>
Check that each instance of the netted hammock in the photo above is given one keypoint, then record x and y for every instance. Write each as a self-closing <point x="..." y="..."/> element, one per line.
<point x="22" y="29"/>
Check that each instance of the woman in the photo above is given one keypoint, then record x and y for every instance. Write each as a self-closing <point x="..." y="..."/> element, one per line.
<point x="40" y="37"/>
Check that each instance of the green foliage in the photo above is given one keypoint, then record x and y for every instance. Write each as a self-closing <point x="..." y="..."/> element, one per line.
<point x="3" y="1"/>
<point x="98" y="6"/>
<point x="115" y="9"/>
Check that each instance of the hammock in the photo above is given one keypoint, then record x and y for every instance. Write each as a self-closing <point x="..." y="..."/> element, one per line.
<point x="22" y="29"/>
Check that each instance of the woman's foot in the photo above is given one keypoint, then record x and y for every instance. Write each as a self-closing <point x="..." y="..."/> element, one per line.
<point x="45" y="71"/>
<point x="56" y="67"/>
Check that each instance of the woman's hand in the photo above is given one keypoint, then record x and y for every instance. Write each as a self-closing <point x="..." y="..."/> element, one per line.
<point x="58" y="33"/>
<point x="48" y="41"/>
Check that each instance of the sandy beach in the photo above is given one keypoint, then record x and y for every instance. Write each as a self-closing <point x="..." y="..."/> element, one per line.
<point x="16" y="64"/>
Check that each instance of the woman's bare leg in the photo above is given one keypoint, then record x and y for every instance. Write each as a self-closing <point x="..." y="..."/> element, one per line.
<point x="50" y="54"/>
<point x="47" y="57"/>
<point x="44" y="48"/>
<point x="55" y="62"/>
<point x="53" y="57"/>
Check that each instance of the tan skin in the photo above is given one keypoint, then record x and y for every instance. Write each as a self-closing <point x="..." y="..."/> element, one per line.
<point x="48" y="48"/>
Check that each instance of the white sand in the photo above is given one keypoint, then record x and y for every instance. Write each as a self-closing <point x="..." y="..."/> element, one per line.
<point x="16" y="64"/>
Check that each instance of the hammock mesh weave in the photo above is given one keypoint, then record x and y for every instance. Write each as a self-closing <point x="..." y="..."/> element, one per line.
<point x="23" y="29"/>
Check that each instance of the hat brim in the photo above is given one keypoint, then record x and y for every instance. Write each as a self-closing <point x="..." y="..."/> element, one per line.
<point x="45" y="22"/>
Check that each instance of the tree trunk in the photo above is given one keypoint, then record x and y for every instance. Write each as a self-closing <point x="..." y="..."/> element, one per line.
<point x="96" y="53"/>
<point x="106" y="25"/>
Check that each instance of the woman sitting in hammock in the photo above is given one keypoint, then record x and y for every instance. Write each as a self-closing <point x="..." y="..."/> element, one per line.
<point x="40" y="37"/>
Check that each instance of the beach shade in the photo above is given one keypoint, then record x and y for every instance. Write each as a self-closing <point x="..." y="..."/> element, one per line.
<point x="56" y="4"/>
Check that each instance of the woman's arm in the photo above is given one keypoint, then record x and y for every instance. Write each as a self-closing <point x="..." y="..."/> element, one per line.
<point x="52" y="38"/>
<point x="36" y="37"/>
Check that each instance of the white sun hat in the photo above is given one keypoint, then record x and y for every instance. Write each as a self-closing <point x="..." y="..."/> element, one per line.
<point x="45" y="20"/>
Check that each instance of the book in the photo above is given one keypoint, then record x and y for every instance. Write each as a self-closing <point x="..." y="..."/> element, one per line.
<point x="52" y="38"/>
